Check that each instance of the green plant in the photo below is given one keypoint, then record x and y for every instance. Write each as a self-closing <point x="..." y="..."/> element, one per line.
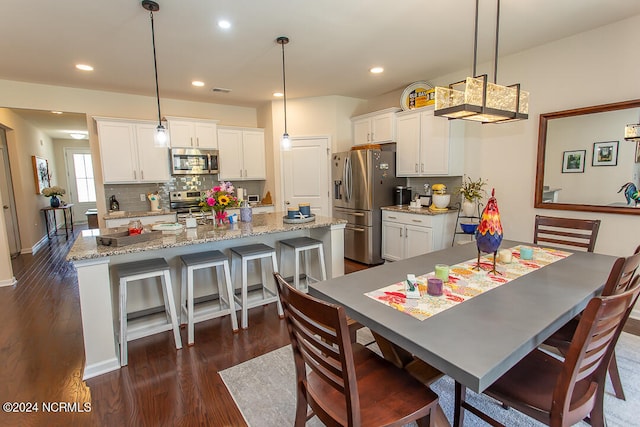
<point x="472" y="190"/>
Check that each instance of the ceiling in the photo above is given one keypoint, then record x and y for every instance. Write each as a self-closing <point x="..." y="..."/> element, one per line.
<point x="333" y="43"/>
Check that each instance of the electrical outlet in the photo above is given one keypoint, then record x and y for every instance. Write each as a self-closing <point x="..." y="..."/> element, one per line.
<point x="143" y="197"/>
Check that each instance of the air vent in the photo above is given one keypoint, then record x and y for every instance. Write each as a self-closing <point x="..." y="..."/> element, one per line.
<point x="221" y="89"/>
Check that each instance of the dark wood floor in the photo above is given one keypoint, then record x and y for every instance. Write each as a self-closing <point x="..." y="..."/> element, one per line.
<point x="42" y="355"/>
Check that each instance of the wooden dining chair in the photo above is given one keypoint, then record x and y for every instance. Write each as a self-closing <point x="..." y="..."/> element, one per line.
<point x="347" y="384"/>
<point x="619" y="280"/>
<point x="581" y="233"/>
<point x="562" y="393"/>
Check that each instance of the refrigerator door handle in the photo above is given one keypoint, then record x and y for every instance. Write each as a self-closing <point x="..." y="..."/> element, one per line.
<point x="348" y="190"/>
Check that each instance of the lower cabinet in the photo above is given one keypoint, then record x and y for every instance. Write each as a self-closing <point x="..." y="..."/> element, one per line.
<point x="405" y="235"/>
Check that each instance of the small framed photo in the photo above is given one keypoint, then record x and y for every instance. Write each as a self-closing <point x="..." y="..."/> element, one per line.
<point x="41" y="173"/>
<point x="638" y="152"/>
<point x="605" y="153"/>
<point x="573" y="161"/>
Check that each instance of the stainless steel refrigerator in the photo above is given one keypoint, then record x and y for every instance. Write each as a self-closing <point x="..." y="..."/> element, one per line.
<point x="363" y="181"/>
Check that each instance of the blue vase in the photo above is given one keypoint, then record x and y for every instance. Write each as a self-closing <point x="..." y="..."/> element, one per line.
<point x="55" y="202"/>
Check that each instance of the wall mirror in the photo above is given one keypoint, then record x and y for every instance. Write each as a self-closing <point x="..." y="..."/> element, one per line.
<point x="584" y="160"/>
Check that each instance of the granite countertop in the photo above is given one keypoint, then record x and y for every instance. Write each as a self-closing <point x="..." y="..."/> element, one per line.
<point x="419" y="211"/>
<point x="85" y="246"/>
<point x="136" y="214"/>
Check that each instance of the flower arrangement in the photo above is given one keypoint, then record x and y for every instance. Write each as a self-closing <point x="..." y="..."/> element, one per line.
<point x="53" y="191"/>
<point x="472" y="190"/>
<point x="218" y="199"/>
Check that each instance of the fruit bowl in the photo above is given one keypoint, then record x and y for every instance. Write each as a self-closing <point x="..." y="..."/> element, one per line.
<point x="441" y="200"/>
<point x="469" y="228"/>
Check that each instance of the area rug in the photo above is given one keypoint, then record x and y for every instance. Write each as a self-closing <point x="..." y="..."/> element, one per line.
<point x="264" y="390"/>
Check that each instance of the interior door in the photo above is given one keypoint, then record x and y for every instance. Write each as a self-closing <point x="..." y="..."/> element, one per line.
<point x="81" y="183"/>
<point x="8" y="201"/>
<point x="305" y="169"/>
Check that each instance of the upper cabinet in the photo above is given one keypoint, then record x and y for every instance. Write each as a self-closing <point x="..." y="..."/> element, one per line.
<point x="128" y="154"/>
<point x="242" y="154"/>
<point x="375" y="128"/>
<point x="192" y="133"/>
<point x="426" y="146"/>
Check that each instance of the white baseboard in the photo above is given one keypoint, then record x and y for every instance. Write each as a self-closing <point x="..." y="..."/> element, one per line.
<point x="8" y="282"/>
<point x="103" y="367"/>
<point x="35" y="247"/>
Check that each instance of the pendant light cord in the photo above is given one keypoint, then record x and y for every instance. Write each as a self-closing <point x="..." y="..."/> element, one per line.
<point x="475" y="41"/>
<point x="495" y="63"/>
<point x="155" y="66"/>
<point x="284" y="88"/>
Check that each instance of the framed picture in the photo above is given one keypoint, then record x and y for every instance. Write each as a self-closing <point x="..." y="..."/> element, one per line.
<point x="605" y="153"/>
<point x="573" y="161"/>
<point x="41" y="173"/>
<point x="638" y="152"/>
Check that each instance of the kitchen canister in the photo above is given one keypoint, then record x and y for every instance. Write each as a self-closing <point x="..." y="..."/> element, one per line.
<point x="246" y="212"/>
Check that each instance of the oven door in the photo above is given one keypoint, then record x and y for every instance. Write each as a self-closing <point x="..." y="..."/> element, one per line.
<point x="186" y="161"/>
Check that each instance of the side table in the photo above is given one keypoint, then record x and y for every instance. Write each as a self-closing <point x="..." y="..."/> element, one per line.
<point x="50" y="217"/>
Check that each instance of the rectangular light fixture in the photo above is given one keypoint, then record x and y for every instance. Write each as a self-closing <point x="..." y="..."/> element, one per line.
<point x="482" y="101"/>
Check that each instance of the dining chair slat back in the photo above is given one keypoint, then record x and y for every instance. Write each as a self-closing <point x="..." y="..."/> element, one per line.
<point x="346" y="384"/>
<point x="562" y="393"/>
<point x="579" y="233"/>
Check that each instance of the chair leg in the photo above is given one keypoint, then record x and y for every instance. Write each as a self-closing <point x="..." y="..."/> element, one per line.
<point x="172" y="305"/>
<point x="190" y="333"/>
<point x="123" y="323"/>
<point x="230" y="300"/>
<point x="245" y="311"/>
<point x="614" y="374"/>
<point x="296" y="270"/>
<point x="183" y="294"/>
<point x="458" y="411"/>
<point x="278" y="303"/>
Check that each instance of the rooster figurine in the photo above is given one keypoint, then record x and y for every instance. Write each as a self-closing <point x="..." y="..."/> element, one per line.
<point x="631" y="193"/>
<point x="489" y="232"/>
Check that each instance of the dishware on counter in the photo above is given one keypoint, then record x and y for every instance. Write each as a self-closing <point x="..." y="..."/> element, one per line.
<point x="434" y="286"/>
<point x="441" y="201"/>
<point x="442" y="272"/>
<point x="305" y="209"/>
<point x="293" y="213"/>
<point x="526" y="253"/>
<point x="505" y="256"/>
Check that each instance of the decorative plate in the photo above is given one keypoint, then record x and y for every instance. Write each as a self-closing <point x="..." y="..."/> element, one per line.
<point x="417" y="95"/>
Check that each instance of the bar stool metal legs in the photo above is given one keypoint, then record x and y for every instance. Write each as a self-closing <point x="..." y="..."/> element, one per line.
<point x="206" y="260"/>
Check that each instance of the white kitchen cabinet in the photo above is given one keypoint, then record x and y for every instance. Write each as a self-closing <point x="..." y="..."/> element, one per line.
<point x="426" y="146"/>
<point x="192" y="133"/>
<point x="405" y="235"/>
<point x="375" y="128"/>
<point x="128" y="154"/>
<point x="242" y="154"/>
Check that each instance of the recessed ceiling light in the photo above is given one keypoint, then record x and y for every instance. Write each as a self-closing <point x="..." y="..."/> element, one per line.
<point x="224" y="24"/>
<point x="56" y="112"/>
<point x="84" y="67"/>
<point x="197" y="83"/>
<point x="77" y="135"/>
<point x="376" y="70"/>
<point x="278" y="94"/>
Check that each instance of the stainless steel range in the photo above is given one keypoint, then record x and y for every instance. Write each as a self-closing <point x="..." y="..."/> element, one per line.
<point x="184" y="201"/>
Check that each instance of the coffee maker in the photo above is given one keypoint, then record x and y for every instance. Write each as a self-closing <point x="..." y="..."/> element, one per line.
<point x="402" y="195"/>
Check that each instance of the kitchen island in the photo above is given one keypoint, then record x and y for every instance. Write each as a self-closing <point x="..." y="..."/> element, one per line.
<point x="97" y="287"/>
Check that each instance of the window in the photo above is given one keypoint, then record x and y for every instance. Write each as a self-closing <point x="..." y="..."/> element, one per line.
<point x="84" y="177"/>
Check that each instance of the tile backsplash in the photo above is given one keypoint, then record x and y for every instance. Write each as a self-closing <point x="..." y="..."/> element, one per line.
<point x="128" y="195"/>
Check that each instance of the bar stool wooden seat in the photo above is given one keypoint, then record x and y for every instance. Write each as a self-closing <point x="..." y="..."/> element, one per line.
<point x="302" y="247"/>
<point x="206" y="260"/>
<point x="263" y="253"/>
<point x="138" y="270"/>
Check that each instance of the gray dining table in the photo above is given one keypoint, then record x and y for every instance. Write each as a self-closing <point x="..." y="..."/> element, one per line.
<point x="478" y="340"/>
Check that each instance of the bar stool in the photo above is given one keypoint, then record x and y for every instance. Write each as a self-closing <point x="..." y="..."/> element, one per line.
<point x="248" y="253"/>
<point x="301" y="247"/>
<point x="198" y="261"/>
<point x="138" y="270"/>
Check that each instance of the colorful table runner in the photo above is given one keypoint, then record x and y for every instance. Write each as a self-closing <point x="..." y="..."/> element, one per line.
<point x="464" y="282"/>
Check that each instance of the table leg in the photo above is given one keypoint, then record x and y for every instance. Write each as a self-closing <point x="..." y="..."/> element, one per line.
<point x="71" y="215"/>
<point x="55" y="223"/>
<point x="66" y="230"/>
<point x="46" y="223"/>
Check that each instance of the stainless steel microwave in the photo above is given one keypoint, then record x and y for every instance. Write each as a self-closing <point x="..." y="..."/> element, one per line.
<point x="194" y="161"/>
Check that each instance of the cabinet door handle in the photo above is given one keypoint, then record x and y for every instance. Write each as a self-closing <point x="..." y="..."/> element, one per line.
<point x="416" y="167"/>
<point x="368" y="137"/>
<point x="141" y="174"/>
<point x="241" y="173"/>
<point x="371" y="136"/>
<point x="197" y="141"/>
<point x="417" y="220"/>
<point x="392" y="217"/>
<point x="421" y="167"/>
<point x="135" y="176"/>
<point x="401" y="232"/>
<point x="191" y="139"/>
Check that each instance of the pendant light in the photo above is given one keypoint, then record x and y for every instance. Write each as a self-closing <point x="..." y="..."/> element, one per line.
<point x="482" y="101"/>
<point x="285" y="142"/>
<point x="161" y="139"/>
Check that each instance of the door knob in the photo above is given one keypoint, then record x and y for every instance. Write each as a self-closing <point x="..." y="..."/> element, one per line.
<point x="5" y="207"/>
